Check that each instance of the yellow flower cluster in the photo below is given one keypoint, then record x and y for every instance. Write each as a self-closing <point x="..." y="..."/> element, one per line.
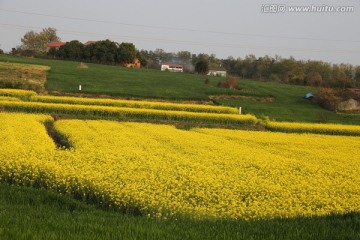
<point x="38" y="107"/>
<point x="335" y="129"/>
<point x="23" y="94"/>
<point x="163" y="172"/>
<point x="136" y="104"/>
<point x="33" y="96"/>
<point x="10" y="99"/>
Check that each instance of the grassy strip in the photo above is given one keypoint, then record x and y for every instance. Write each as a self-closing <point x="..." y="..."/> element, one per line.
<point x="330" y="129"/>
<point x="27" y="213"/>
<point x="135" y="104"/>
<point x="127" y="113"/>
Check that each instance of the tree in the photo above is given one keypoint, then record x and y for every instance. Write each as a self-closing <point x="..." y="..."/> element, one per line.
<point x="126" y="53"/>
<point x="357" y="74"/>
<point x="142" y="59"/>
<point x="1" y="51"/>
<point x="314" y="79"/>
<point x="73" y="50"/>
<point x="50" y="35"/>
<point x="52" y="52"/>
<point x="184" y="56"/>
<point x="202" y="67"/>
<point x="37" y="42"/>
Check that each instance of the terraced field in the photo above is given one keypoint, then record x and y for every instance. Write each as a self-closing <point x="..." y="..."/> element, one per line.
<point x="162" y="172"/>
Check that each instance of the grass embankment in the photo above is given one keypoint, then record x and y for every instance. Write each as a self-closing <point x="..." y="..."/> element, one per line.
<point x="66" y="76"/>
<point x="28" y="213"/>
<point x="25" y="76"/>
<point x="287" y="105"/>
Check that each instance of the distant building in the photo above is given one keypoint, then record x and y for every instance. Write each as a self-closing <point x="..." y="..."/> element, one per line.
<point x="89" y="43"/>
<point x="217" y="71"/>
<point x="172" y="67"/>
<point x="354" y="90"/>
<point x="55" y="45"/>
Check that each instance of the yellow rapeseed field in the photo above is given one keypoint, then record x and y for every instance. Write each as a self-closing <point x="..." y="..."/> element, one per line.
<point x="163" y="172"/>
<point x="322" y="128"/>
<point x="16" y="93"/>
<point x="136" y="104"/>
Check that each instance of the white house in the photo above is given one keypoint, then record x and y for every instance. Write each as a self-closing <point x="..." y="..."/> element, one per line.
<point x="217" y="71"/>
<point x="172" y="67"/>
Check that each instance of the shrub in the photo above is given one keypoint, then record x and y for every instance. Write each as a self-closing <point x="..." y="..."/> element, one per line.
<point x="230" y="82"/>
<point x="327" y="98"/>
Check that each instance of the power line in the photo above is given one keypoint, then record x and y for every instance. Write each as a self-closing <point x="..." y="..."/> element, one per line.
<point x="179" y="42"/>
<point x="180" y="29"/>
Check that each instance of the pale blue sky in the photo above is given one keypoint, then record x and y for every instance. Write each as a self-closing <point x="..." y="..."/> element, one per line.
<point x="226" y="28"/>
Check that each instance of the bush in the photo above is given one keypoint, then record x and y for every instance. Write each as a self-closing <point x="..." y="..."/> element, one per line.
<point x="327" y="98"/>
<point x="230" y="82"/>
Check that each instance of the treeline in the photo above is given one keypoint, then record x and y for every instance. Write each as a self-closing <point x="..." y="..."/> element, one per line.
<point x="276" y="69"/>
<point x="290" y="70"/>
<point x="105" y="52"/>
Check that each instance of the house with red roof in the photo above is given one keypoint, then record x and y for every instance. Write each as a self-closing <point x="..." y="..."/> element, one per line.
<point x="89" y="43"/>
<point x="55" y="45"/>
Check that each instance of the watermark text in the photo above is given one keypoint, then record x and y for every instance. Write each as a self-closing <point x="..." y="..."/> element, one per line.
<point x="283" y="8"/>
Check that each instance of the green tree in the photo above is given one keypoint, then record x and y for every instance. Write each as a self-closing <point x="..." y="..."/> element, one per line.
<point x="52" y="52"/>
<point x="142" y="59"/>
<point x="357" y="74"/>
<point x="73" y="50"/>
<point x="126" y="53"/>
<point x="37" y="42"/>
<point x="1" y="51"/>
<point x="202" y="67"/>
<point x="184" y="56"/>
<point x="314" y="79"/>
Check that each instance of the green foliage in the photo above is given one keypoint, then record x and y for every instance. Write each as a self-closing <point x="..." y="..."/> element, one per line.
<point x="71" y="51"/>
<point x="37" y="42"/>
<point x="142" y="59"/>
<point x="202" y="67"/>
<point x="104" y="52"/>
<point x="126" y="53"/>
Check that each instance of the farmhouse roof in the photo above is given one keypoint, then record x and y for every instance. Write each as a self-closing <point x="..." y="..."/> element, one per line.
<point x="89" y="43"/>
<point x="354" y="90"/>
<point x="55" y="44"/>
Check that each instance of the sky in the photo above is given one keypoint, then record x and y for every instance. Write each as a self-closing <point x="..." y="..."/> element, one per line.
<point x="224" y="28"/>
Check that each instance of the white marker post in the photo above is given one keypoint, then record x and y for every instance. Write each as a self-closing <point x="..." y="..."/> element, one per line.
<point x="79" y="87"/>
<point x="239" y="110"/>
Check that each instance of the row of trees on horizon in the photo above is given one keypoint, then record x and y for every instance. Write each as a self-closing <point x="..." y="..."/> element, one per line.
<point x="266" y="68"/>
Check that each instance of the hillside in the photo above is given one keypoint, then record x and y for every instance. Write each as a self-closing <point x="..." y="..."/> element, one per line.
<point x="286" y="104"/>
